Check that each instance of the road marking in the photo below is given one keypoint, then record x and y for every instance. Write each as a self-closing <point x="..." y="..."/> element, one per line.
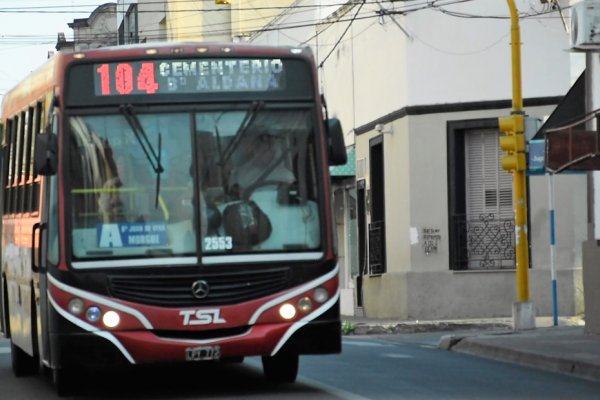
<point x="397" y="355"/>
<point x="355" y="342"/>
<point x="254" y="362"/>
<point x="330" y="389"/>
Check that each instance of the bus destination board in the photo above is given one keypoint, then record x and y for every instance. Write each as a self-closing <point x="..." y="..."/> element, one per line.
<point x="188" y="76"/>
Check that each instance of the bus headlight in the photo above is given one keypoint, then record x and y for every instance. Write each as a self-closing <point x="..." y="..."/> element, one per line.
<point x="321" y="295"/>
<point x="287" y="311"/>
<point x="111" y="319"/>
<point x="75" y="306"/>
<point x="305" y="304"/>
<point x="93" y="314"/>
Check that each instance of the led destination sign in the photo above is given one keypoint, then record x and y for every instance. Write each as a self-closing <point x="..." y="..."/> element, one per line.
<point x="188" y="76"/>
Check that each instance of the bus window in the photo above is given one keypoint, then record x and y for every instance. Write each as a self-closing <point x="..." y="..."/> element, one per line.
<point x="12" y="169"/>
<point x="255" y="191"/>
<point x="5" y="165"/>
<point x="20" y="147"/>
<point x="258" y="176"/>
<point x="53" y="222"/>
<point x="122" y="204"/>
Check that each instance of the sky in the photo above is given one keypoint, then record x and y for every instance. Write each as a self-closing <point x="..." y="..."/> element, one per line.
<point x="28" y="31"/>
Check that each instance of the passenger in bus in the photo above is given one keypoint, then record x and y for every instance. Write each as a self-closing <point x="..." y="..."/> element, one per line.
<point x="110" y="203"/>
<point x="177" y="188"/>
<point x="127" y="195"/>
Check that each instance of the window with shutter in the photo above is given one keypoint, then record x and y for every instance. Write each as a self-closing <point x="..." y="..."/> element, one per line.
<point x="488" y="186"/>
<point x="489" y="209"/>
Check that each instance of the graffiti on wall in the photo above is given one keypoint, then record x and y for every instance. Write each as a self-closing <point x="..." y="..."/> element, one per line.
<point x="431" y="240"/>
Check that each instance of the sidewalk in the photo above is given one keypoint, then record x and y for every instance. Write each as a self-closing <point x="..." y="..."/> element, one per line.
<point x="564" y="348"/>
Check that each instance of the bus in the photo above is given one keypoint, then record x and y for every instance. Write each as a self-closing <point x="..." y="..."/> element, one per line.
<point x="169" y="203"/>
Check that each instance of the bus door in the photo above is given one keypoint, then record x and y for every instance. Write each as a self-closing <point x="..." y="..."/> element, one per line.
<point x="45" y="233"/>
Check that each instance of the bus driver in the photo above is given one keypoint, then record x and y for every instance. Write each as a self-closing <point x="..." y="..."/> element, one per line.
<point x="261" y="178"/>
<point x="260" y="161"/>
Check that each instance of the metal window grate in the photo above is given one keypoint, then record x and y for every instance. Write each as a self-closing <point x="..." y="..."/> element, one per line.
<point x="486" y="242"/>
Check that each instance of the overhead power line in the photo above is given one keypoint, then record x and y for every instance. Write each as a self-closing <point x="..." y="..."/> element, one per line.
<point x="215" y="29"/>
<point x="407" y="7"/>
<point x="91" y="8"/>
<point x="342" y="35"/>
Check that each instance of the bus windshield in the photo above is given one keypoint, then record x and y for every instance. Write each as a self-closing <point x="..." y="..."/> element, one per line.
<point x="219" y="182"/>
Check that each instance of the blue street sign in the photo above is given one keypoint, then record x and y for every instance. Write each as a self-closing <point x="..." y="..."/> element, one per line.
<point x="536" y="157"/>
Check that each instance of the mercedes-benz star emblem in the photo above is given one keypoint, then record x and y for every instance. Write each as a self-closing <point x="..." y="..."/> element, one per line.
<point x="200" y="289"/>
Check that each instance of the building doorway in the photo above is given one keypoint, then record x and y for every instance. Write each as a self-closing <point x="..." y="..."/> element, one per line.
<point x="376" y="200"/>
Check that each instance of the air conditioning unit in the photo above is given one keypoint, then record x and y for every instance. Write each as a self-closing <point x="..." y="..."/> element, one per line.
<point x="585" y="25"/>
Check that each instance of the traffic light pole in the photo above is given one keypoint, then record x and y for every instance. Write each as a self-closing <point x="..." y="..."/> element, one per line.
<point x="514" y="143"/>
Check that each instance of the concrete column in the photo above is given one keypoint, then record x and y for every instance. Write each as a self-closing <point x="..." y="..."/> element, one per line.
<point x="591" y="248"/>
<point x="523" y="315"/>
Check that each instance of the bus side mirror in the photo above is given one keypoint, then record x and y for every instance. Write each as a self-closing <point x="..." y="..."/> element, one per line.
<point x="337" y="148"/>
<point x="46" y="154"/>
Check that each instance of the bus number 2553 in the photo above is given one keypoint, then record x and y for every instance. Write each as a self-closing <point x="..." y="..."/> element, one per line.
<point x="215" y="243"/>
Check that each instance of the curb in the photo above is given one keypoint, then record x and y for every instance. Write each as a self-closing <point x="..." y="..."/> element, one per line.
<point x="472" y="346"/>
<point x="360" y="329"/>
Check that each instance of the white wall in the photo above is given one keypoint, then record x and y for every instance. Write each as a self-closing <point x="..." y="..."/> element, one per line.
<point x="364" y="77"/>
<point x="570" y="216"/>
<point x="150" y="14"/>
<point x="122" y="7"/>
<point x="377" y="68"/>
<point x="469" y="59"/>
<point x="446" y="59"/>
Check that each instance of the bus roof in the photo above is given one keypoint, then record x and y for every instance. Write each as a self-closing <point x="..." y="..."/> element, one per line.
<point x="195" y="48"/>
<point x="30" y="88"/>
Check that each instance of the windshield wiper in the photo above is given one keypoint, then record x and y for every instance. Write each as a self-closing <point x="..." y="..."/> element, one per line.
<point x="248" y="120"/>
<point x="153" y="157"/>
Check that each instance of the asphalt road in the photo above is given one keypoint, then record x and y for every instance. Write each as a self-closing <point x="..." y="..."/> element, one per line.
<point x="412" y="367"/>
<point x="386" y="367"/>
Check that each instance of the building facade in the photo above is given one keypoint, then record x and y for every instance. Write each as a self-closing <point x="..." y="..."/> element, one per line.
<point x="141" y="21"/>
<point x="420" y="89"/>
<point x="98" y="30"/>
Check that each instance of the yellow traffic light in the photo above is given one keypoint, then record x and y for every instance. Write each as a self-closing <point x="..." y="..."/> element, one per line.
<point x="514" y="162"/>
<point x="513" y="142"/>
<point x="514" y="145"/>
<point x="223" y="2"/>
<point x="512" y="125"/>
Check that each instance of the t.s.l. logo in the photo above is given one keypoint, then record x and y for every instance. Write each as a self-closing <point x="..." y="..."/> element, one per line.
<point x="202" y="317"/>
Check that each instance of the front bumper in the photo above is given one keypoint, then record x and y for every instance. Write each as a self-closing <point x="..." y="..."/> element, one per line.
<point x="148" y="335"/>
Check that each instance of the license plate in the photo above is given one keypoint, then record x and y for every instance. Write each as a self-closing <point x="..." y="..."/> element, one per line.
<point x="203" y="353"/>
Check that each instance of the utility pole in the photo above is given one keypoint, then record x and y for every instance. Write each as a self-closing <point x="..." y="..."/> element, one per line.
<point x="513" y="142"/>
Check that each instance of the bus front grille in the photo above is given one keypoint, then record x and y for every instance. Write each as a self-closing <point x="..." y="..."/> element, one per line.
<point x="223" y="288"/>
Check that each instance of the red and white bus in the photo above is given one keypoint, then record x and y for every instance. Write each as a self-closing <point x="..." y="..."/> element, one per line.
<point x="169" y="203"/>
